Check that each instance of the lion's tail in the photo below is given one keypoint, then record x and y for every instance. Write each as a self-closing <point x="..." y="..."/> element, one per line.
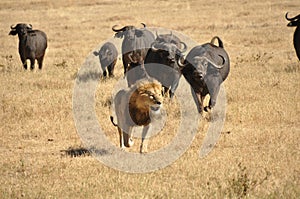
<point x="112" y="121"/>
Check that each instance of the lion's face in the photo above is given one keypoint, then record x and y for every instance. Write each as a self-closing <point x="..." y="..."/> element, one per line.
<point x="149" y="96"/>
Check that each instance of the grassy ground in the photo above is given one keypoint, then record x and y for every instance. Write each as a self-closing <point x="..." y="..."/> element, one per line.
<point x="257" y="155"/>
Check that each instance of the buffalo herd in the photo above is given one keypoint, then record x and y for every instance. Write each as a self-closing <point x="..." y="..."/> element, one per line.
<point x="163" y="57"/>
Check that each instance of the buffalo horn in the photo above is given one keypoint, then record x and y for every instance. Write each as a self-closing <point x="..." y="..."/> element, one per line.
<point x="215" y="65"/>
<point x="291" y="19"/>
<point x="184" y="47"/>
<point x="222" y="59"/>
<point x="118" y="30"/>
<point x="180" y="63"/>
<point x="157" y="36"/>
<point x="153" y="47"/>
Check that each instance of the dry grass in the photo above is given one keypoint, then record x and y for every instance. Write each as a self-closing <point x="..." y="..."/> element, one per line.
<point x="257" y="156"/>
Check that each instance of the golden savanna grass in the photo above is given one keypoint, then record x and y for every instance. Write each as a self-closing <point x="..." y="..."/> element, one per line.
<point x="257" y="155"/>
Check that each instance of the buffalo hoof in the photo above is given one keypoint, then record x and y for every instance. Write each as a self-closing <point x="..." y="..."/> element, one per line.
<point x="104" y="73"/>
<point x="207" y="109"/>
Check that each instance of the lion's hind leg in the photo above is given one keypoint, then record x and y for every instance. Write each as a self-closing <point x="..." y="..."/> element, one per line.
<point x="128" y="141"/>
<point x="121" y="137"/>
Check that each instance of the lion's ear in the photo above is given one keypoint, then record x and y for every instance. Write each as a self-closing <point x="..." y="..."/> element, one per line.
<point x="143" y="93"/>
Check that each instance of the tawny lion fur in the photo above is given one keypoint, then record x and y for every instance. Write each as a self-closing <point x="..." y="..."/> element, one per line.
<point x="132" y="107"/>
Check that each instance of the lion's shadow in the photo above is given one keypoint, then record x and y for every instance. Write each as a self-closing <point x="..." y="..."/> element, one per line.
<point x="76" y="152"/>
<point x="82" y="152"/>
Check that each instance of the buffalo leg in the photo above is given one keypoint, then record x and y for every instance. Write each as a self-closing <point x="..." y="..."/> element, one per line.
<point x="32" y="60"/>
<point x="173" y="88"/>
<point x="166" y="92"/>
<point x="24" y="63"/>
<point x="171" y="93"/>
<point x="198" y="98"/>
<point x="213" y="96"/>
<point x="110" y="69"/>
<point x="200" y="101"/>
<point x="40" y="62"/>
<point x="104" y="73"/>
<point x="125" y="63"/>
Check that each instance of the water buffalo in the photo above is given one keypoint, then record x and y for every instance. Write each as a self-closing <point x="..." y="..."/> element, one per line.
<point x="295" y="21"/>
<point x="135" y="45"/>
<point x="205" y="68"/>
<point x="161" y="61"/>
<point x="108" y="55"/>
<point x="32" y="44"/>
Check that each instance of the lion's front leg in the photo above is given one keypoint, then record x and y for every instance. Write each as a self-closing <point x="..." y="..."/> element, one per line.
<point x="144" y="144"/>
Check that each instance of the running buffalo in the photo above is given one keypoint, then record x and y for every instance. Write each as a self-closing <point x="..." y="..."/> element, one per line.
<point x="32" y="44"/>
<point x="135" y="45"/>
<point x="205" y="68"/>
<point x="161" y="61"/>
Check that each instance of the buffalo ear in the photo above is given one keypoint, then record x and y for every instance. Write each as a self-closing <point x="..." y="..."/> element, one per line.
<point x="13" y="32"/>
<point x="119" y="35"/>
<point x="96" y="53"/>
<point x="139" y="33"/>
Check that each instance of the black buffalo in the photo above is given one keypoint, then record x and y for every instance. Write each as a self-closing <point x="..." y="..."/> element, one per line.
<point x="108" y="55"/>
<point x="295" y="21"/>
<point x="161" y="61"/>
<point x="135" y="45"/>
<point x="32" y="44"/>
<point x="205" y="68"/>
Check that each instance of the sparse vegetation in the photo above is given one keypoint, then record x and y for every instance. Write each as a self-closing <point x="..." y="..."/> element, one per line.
<point x="241" y="184"/>
<point x="292" y="68"/>
<point x="63" y="64"/>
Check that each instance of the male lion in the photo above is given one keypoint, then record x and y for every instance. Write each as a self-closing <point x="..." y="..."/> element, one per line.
<point x="134" y="107"/>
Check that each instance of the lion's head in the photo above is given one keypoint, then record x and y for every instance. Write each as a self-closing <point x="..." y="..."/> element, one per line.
<point x="146" y="99"/>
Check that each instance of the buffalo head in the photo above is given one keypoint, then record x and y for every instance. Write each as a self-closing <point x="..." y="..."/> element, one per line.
<point x="201" y="65"/>
<point x="129" y="32"/>
<point x="20" y="29"/>
<point x="169" y="47"/>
